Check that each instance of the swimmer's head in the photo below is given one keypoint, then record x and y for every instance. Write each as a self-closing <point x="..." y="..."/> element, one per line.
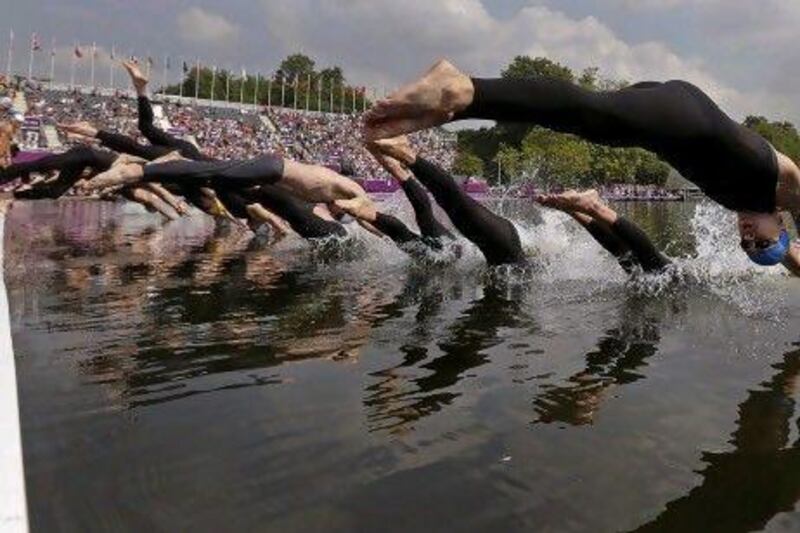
<point x="764" y="238"/>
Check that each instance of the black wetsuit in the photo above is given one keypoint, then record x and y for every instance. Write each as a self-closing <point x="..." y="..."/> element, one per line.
<point x="732" y="164"/>
<point x="70" y="165"/>
<point x="630" y="245"/>
<point x="298" y="213"/>
<point x="159" y="137"/>
<point x="496" y="236"/>
<point x="266" y="169"/>
<point x="128" y="145"/>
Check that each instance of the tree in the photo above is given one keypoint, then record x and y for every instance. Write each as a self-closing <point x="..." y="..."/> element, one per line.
<point x="782" y="135"/>
<point x="524" y="67"/>
<point x="467" y="164"/>
<point x="295" y="66"/>
<point x="558" y="159"/>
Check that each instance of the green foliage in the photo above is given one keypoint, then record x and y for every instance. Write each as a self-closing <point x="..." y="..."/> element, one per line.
<point x="467" y="164"/>
<point x="524" y="67"/>
<point x="782" y="135"/>
<point x="296" y="82"/>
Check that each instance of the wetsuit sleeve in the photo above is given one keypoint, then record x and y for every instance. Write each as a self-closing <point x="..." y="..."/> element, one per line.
<point x="127" y="145"/>
<point x="79" y="157"/>
<point x="218" y="174"/>
<point x="395" y="229"/>
<point x="644" y="251"/>
<point x="612" y="244"/>
<point x="298" y="213"/>
<point x="160" y="137"/>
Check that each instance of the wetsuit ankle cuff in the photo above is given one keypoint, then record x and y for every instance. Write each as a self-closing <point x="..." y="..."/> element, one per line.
<point x="473" y="109"/>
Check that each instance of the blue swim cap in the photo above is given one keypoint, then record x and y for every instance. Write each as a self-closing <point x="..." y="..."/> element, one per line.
<point x="775" y="254"/>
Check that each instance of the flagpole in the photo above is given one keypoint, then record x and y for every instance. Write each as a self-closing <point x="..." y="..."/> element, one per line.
<point x="111" y="69"/>
<point x="183" y="75"/>
<point x="94" y="53"/>
<point x="213" y="80"/>
<point x="72" y="70"/>
<point x="344" y="99"/>
<point x="228" y="86"/>
<point x="296" y="82"/>
<point x="330" y="108"/>
<point x="241" y="88"/>
<point x="319" y="93"/>
<point x="197" y="82"/>
<point x="52" y="61"/>
<point x="255" y="93"/>
<point x="354" y="100"/>
<point x="308" y="94"/>
<point x="164" y="78"/>
<point x="283" y="91"/>
<point x="269" y="94"/>
<point x="10" y="53"/>
<point x="30" y="61"/>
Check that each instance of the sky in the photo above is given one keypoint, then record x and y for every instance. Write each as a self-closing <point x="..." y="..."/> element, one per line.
<point x="744" y="53"/>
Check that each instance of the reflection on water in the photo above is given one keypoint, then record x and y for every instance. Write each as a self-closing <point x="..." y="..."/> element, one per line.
<point x="188" y="377"/>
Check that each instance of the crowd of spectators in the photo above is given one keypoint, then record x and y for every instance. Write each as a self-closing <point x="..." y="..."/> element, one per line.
<point x="333" y="140"/>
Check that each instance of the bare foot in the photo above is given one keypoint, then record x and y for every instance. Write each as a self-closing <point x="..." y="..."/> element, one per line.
<point x="431" y="101"/>
<point x="398" y="148"/>
<point x="585" y="202"/>
<point x="83" y="129"/>
<point x="360" y="207"/>
<point x="172" y="156"/>
<point x="116" y="176"/>
<point x="139" y="80"/>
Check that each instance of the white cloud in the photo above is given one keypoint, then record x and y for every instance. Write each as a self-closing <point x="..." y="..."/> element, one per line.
<point x="377" y="37"/>
<point x="200" y="26"/>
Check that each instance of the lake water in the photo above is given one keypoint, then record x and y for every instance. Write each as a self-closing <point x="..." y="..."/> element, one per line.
<point x="181" y="378"/>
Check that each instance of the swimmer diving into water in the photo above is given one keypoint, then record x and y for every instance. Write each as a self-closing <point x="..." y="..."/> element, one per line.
<point x="733" y="165"/>
<point x="494" y="235"/>
<point x="619" y="236"/>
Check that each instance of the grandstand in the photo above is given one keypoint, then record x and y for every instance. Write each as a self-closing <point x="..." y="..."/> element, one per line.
<point x="228" y="131"/>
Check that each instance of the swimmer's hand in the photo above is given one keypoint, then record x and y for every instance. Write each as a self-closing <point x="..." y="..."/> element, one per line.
<point x="359" y="207"/>
<point x="80" y="129"/>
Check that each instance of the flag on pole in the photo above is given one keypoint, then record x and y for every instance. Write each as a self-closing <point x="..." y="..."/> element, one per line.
<point x="111" y="55"/>
<point x="35" y="47"/>
<point x="78" y="53"/>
